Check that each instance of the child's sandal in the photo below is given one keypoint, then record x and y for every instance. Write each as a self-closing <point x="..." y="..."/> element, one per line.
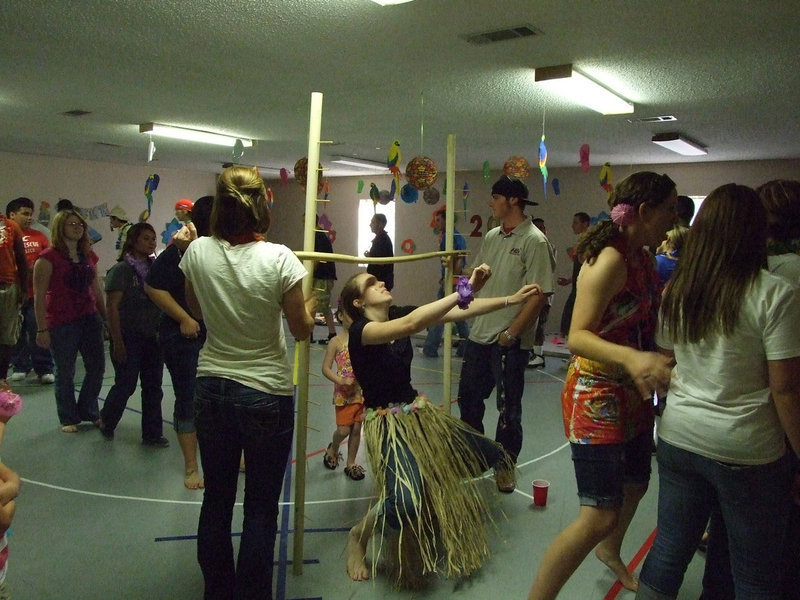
<point x="331" y="461"/>
<point x="356" y="472"/>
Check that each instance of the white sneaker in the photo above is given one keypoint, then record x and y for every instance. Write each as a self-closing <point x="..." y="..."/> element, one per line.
<point x="536" y="361"/>
<point x="17" y="376"/>
<point x="47" y="378"/>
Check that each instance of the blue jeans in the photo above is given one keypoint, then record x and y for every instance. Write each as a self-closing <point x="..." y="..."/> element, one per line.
<point x="145" y="364"/>
<point x="232" y="418"/>
<point x="84" y="336"/>
<point x="27" y="355"/>
<point x="754" y="502"/>
<point x="436" y="332"/>
<point x="490" y="366"/>
<point x="403" y="501"/>
<point x="180" y="358"/>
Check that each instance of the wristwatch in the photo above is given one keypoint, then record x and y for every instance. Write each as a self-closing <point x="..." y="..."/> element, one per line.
<point x="509" y="338"/>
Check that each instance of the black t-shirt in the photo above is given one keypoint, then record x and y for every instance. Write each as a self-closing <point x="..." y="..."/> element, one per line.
<point x="165" y="274"/>
<point x="322" y="243"/>
<point x="382" y="370"/>
<point x="382" y="246"/>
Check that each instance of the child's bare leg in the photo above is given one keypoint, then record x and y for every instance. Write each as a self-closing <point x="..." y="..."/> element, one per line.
<point x="357" y="546"/>
<point x="342" y="431"/>
<point x="353" y="443"/>
<point x="608" y="550"/>
<point x="191" y="478"/>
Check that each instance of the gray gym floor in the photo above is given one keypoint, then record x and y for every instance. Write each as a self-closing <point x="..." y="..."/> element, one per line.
<point x="98" y="519"/>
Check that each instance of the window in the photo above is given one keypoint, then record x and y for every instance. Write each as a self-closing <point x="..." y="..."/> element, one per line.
<point x="366" y="209"/>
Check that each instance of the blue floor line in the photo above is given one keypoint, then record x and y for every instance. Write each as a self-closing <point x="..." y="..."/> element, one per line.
<point x="283" y="547"/>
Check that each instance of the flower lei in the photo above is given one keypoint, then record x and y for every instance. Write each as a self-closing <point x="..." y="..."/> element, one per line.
<point x="464" y="289"/>
<point x="140" y="267"/>
<point x="396" y="409"/>
<point x="623" y="214"/>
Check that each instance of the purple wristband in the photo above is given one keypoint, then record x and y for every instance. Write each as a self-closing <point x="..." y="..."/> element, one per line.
<point x="464" y="289"/>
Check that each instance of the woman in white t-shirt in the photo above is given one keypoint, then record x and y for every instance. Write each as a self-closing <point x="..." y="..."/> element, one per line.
<point x="241" y="286"/>
<point x="734" y="397"/>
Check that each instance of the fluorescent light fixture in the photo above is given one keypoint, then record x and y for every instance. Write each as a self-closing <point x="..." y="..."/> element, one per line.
<point x="351" y="161"/>
<point x="192" y="135"/>
<point x="390" y="2"/>
<point x="680" y="144"/>
<point x="571" y="84"/>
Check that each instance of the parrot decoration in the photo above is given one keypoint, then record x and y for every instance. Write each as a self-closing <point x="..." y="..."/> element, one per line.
<point x="583" y="153"/>
<point x="393" y="162"/>
<point x="605" y="178"/>
<point x="150" y="186"/>
<point x="543" y="164"/>
<point x="284" y="177"/>
<point x="375" y="194"/>
<point x="465" y="195"/>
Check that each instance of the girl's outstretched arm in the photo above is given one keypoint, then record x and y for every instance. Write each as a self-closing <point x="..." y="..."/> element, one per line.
<point x="382" y="332"/>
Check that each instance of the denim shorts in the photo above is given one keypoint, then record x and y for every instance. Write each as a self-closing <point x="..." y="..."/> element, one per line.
<point x="602" y="470"/>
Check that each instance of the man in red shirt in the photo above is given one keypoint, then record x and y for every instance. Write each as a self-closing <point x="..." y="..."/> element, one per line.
<point x="26" y="354"/>
<point x="13" y="278"/>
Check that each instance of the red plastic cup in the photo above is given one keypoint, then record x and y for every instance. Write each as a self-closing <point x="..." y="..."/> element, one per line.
<point x="540" y="487"/>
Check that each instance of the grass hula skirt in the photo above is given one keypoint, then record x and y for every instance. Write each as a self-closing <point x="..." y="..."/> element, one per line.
<point x="447" y="535"/>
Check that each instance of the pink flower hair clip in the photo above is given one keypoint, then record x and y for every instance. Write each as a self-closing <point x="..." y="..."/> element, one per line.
<point x="623" y="214"/>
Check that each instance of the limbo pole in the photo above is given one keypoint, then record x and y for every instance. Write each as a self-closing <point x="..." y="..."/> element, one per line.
<point x="314" y="128"/>
<point x="447" y="281"/>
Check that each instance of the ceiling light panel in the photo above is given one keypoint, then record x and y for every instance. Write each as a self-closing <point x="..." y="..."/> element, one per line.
<point x="573" y="85"/>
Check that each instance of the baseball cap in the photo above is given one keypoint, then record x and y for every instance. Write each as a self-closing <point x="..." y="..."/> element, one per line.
<point x="511" y="187"/>
<point x="118" y="213"/>
<point x="184" y="204"/>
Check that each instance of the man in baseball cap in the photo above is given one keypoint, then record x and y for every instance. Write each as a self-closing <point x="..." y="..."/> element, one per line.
<point x="183" y="210"/>
<point x="119" y="220"/>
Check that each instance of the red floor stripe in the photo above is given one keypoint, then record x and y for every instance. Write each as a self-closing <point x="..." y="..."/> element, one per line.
<point x="639" y="557"/>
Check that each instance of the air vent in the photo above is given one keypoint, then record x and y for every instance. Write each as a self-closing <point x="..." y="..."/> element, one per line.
<point x="76" y="113"/>
<point x="501" y="35"/>
<point x="661" y="119"/>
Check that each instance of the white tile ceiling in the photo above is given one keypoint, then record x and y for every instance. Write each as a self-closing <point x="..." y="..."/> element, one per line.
<point x="728" y="70"/>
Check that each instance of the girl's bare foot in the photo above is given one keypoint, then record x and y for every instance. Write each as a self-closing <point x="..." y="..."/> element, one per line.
<point x="356" y="555"/>
<point x="192" y="480"/>
<point x="628" y="580"/>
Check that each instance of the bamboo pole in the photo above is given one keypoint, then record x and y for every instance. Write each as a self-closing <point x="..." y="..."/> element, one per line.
<point x="447" y="282"/>
<point x="348" y="258"/>
<point x="315" y="125"/>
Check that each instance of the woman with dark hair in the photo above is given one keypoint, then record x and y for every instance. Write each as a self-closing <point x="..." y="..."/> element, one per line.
<point x="132" y="325"/>
<point x="68" y="302"/>
<point x="734" y="398"/>
<point x="423" y="459"/>
<point x="607" y="401"/>
<point x="179" y="335"/>
<point x="241" y="286"/>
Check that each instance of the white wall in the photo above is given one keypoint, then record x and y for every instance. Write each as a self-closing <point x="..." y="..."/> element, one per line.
<point x="416" y="282"/>
<point x="89" y="183"/>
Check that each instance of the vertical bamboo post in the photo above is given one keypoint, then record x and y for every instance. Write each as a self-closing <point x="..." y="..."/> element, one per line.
<point x="447" y="282"/>
<point x="315" y="125"/>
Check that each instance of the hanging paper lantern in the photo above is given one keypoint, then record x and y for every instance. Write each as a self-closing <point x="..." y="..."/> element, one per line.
<point x="431" y="196"/>
<point x="517" y="166"/>
<point x="421" y="172"/>
<point x="384" y="197"/>
<point x="408" y="194"/>
<point x="301" y="173"/>
<point x="408" y="246"/>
